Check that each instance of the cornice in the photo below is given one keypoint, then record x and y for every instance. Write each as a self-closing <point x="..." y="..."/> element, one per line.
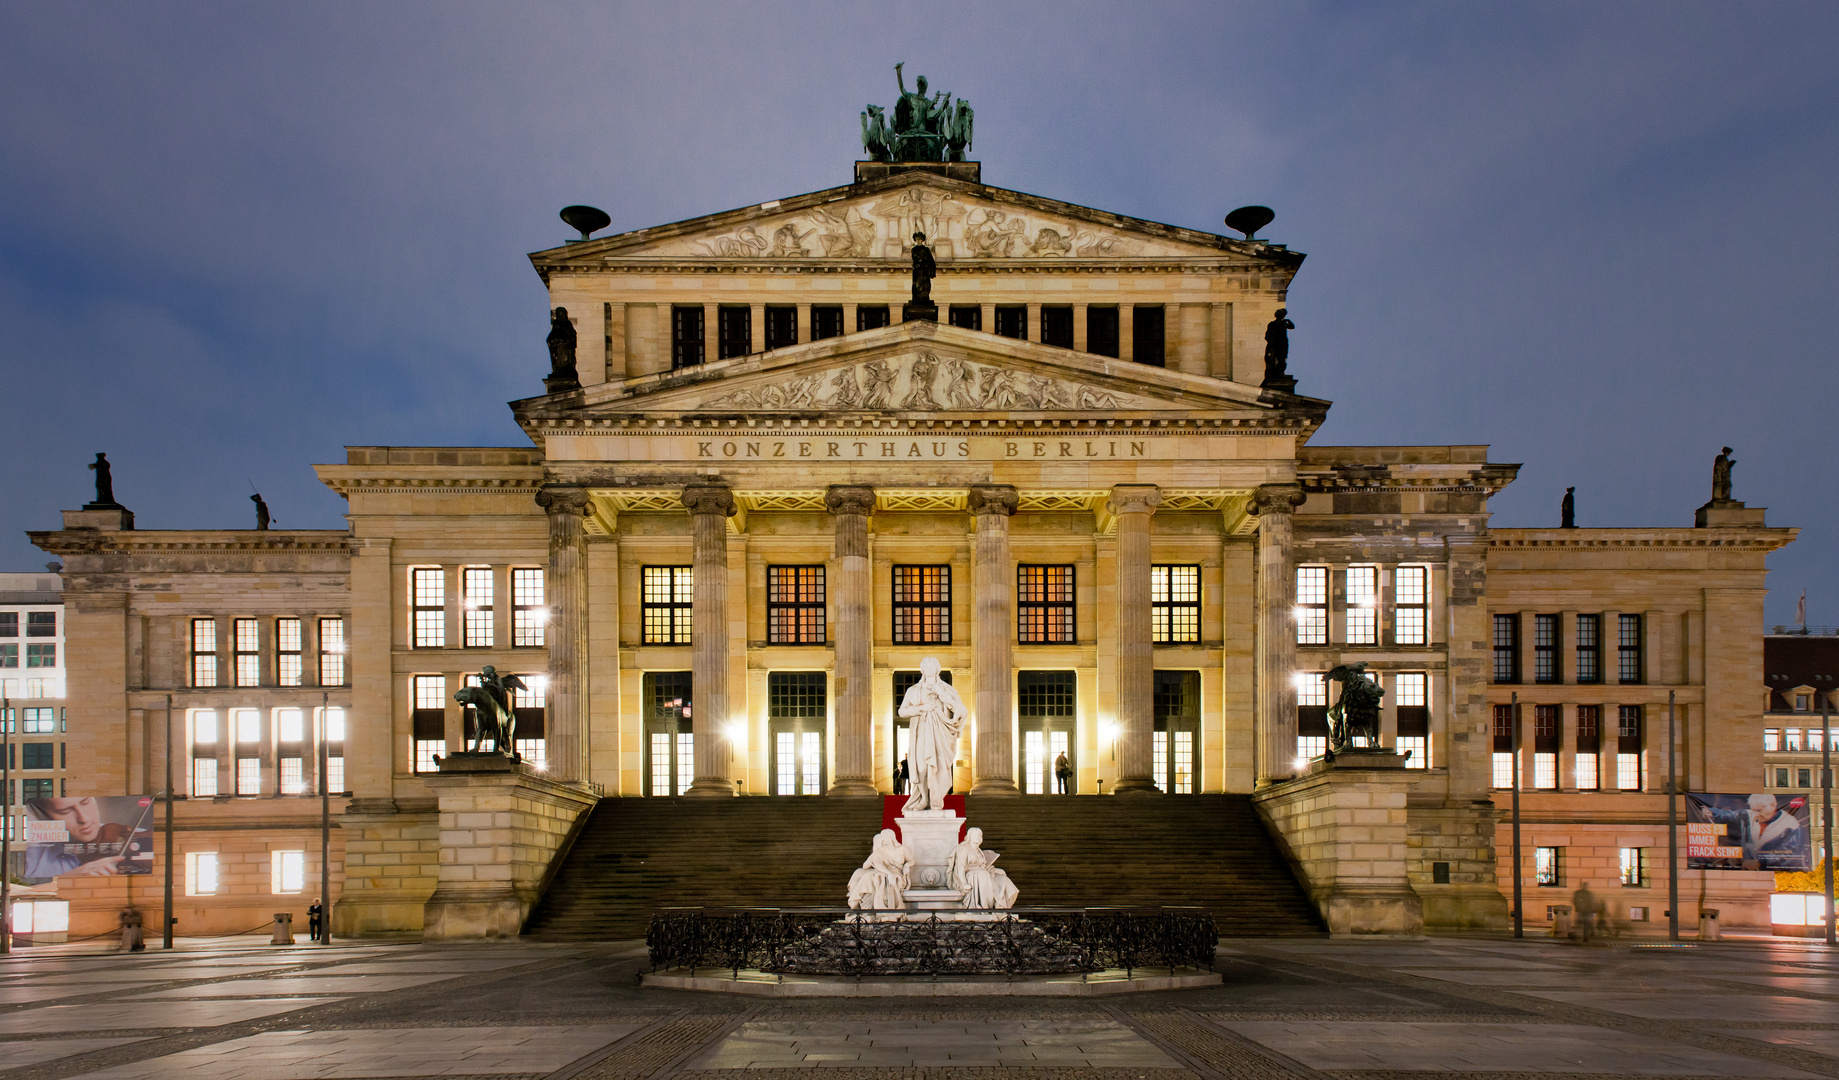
<point x="96" y="541"/>
<point x="1611" y="539"/>
<point x="754" y="423"/>
<point x="690" y="264"/>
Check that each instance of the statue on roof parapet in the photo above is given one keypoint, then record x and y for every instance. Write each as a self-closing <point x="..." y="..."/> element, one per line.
<point x="105" y="485"/>
<point x="1567" y="510"/>
<point x="1720" y="476"/>
<point x="924" y="129"/>
<point x="1277" y="353"/>
<point x="561" y="341"/>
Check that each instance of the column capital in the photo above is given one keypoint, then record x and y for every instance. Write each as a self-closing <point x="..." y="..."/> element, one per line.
<point x="709" y="499"/>
<point x="1134" y="499"/>
<point x="558" y="499"/>
<point x="849" y="499"/>
<point x="994" y="499"/>
<point x="1275" y="499"/>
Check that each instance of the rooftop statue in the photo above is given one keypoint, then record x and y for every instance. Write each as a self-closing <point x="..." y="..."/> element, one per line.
<point x="924" y="129"/>
<point x="1277" y="353"/>
<point x="105" y="482"/>
<point x="1567" y="510"/>
<point x="1720" y="476"/>
<point x="261" y="512"/>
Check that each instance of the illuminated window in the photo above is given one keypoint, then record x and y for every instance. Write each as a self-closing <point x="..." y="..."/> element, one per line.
<point x="1174" y="604"/>
<point x="204" y="752"/>
<point x="1411" y="705"/>
<point x="1634" y="867"/>
<point x="1630" y="742"/>
<point x="287" y="872"/>
<point x="1311" y="715"/>
<point x="248" y="776"/>
<point x="428" y="598"/>
<point x="1312" y="605"/>
<point x="527" y="704"/>
<point x="429" y="721"/>
<point x="922" y="605"/>
<point x="1589" y="745"/>
<point x="1587" y="778"/>
<point x="204" y="652"/>
<point x="1363" y="605"/>
<point x="289" y="669"/>
<point x="795" y="605"/>
<point x="1044" y="604"/>
<point x="200" y="873"/>
<point x="1547" y="868"/>
<point x="248" y="636"/>
<point x="334" y="734"/>
<point x="477" y="606"/>
<point x="666" y="603"/>
<point x="528" y="615"/>
<point x="1503" y="770"/>
<point x="332" y="652"/>
<point x="1410" y="605"/>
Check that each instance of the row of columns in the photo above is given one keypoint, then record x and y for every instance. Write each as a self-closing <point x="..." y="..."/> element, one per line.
<point x="993" y="584"/>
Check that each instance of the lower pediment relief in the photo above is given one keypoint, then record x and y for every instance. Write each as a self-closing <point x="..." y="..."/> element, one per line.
<point x="925" y="383"/>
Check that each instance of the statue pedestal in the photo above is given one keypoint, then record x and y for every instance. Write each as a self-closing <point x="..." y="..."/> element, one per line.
<point x="934" y="899"/>
<point x="929" y="836"/>
<point x="561" y="384"/>
<point x="1729" y="514"/>
<point x="1283" y="385"/>
<point x="919" y="313"/>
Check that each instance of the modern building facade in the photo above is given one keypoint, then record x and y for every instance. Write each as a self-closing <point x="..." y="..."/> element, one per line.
<point x="763" y="495"/>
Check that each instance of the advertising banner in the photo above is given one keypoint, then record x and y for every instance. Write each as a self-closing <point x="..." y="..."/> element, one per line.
<point x="88" y="836"/>
<point x="1747" y="832"/>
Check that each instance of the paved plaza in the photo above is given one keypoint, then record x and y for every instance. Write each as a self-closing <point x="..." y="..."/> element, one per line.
<point x="1441" y="1008"/>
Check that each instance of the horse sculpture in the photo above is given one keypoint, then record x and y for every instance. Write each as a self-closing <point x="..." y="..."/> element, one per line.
<point x="493" y="715"/>
<point x="1356" y="712"/>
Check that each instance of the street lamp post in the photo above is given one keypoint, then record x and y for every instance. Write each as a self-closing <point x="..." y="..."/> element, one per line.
<point x="1672" y="828"/>
<point x="325" y="827"/>
<point x="1519" y="913"/>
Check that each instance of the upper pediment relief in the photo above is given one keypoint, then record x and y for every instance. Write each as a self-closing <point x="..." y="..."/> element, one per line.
<point x="875" y="220"/>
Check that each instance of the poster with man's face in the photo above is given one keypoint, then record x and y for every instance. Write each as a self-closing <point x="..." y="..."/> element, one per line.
<point x="85" y="836"/>
<point x="1763" y="831"/>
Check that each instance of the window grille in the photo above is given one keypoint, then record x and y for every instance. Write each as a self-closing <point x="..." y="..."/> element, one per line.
<point x="922" y="605"/>
<point x="1044" y="604"/>
<point x="1362" y="605"/>
<point x="666" y="603"/>
<point x="1410" y="605"/>
<point x="1506" y="648"/>
<point x="529" y="616"/>
<point x="795" y="605"/>
<point x="332" y="652"/>
<point x="734" y="331"/>
<point x="478" y="605"/>
<point x="686" y="337"/>
<point x="1312" y="605"/>
<point x="1545" y="648"/>
<point x="1589" y="649"/>
<point x="204" y="652"/>
<point x="428" y="598"/>
<point x="1628" y="649"/>
<point x="1174" y="604"/>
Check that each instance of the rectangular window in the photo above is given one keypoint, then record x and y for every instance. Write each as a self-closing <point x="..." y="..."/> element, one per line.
<point x="795" y="605"/>
<point x="1628" y="772"/>
<point x="332" y="652"/>
<point x="204" y="776"/>
<point x="9" y="656"/>
<point x="967" y="316"/>
<point x="1410" y="605"/>
<point x="922" y="605"/>
<point x="1630" y="741"/>
<point x="429" y="721"/>
<point x="1791" y="739"/>
<point x="527" y="704"/>
<point x="1545" y="727"/>
<point x="41" y="624"/>
<point x="1311" y="717"/>
<point x="201" y="873"/>
<point x="781" y="327"/>
<point x="872" y="316"/>
<point x="290" y="727"/>
<point x="247" y="723"/>
<point x="1174" y="603"/>
<point x="1045" y="693"/>
<point x="335" y="774"/>
<point x="204" y="752"/>
<point x="1545" y="771"/>
<point x="826" y="322"/>
<point x="289" y="668"/>
<point x="248" y="652"/>
<point x="1012" y="321"/>
<point x="1545" y="648"/>
<point x="734" y="330"/>
<point x="528" y="614"/>
<point x="428" y="598"/>
<point x="667" y="595"/>
<point x="40" y="655"/>
<point x="477" y="606"/>
<point x="38" y="721"/>
<point x="1363" y="605"/>
<point x="1146" y="331"/>
<point x="1057" y="325"/>
<point x="1101" y="331"/>
<point x="1312" y="605"/>
<point x="1547" y="868"/>
<point x="248" y="776"/>
<point x="1589" y="744"/>
<point x="293" y="776"/>
<point x="685" y="335"/>
<point x="37" y="755"/>
<point x="1803" y="778"/>
<point x="1634" y="868"/>
<point x="1506" y="648"/>
<point x="1044" y="605"/>
<point x="1628" y="649"/>
<point x="1589" y="649"/>
<point x="9" y="624"/>
<point x="204" y="652"/>
<point x="1771" y="739"/>
<point x="1411" y="705"/>
<point x="1587" y="779"/>
<point x="37" y="789"/>
<point x="1503" y="770"/>
<point x="1781" y="778"/>
<point x="288" y="871"/>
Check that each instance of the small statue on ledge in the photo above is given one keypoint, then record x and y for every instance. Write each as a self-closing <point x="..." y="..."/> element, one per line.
<point x="1720" y="476"/>
<point x="1356" y="713"/>
<point x="1567" y="510"/>
<point x="562" y="373"/>
<point x="105" y="483"/>
<point x="261" y="512"/>
<point x="924" y="270"/>
<point x="1277" y="353"/>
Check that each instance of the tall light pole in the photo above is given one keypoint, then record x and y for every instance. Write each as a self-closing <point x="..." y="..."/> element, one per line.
<point x="6" y="826"/>
<point x="1826" y="807"/>
<point x="325" y="826"/>
<point x="1672" y="829"/>
<point x="1519" y="905"/>
<point x="166" y="919"/>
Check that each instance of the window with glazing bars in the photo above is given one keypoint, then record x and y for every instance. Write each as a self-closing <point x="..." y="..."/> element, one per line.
<point x="528" y="615"/>
<point x="1589" y="633"/>
<point x="428" y="598"/>
<point x="667" y="595"/>
<point x="1012" y="321"/>
<point x="1174" y="603"/>
<point x="1506" y="648"/>
<point x="204" y="752"/>
<point x="734" y="331"/>
<point x="685" y="335"/>
<point x="1630" y="741"/>
<point x="1057" y="326"/>
<point x="922" y="605"/>
<point x="204" y="652"/>
<point x="1410" y="605"/>
<point x="248" y="652"/>
<point x="289" y="667"/>
<point x="1545" y="648"/>
<point x="1045" y="693"/>
<point x="781" y="327"/>
<point x="1411" y="702"/>
<point x="477" y="607"/>
<point x="871" y="316"/>
<point x="795" y="605"/>
<point x="1589" y="744"/>
<point x="332" y="652"/>
<point x="334" y="721"/>
<point x="429" y="720"/>
<point x="826" y="321"/>
<point x="1628" y="648"/>
<point x="795" y="693"/>
<point x="1312" y="605"/>
<point x="1363" y="605"/>
<point x="41" y="624"/>
<point x="1101" y="331"/>
<point x="968" y="316"/>
<point x="1044" y="604"/>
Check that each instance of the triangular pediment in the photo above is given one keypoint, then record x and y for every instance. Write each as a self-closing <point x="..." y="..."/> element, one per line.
<point x="924" y="371"/>
<point x="874" y="221"/>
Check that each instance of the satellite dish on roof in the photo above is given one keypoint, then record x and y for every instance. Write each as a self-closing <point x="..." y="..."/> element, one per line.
<point x="1249" y="219"/>
<point x="585" y="218"/>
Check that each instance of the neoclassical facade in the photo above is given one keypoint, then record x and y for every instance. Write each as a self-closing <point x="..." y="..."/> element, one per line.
<point x="763" y="496"/>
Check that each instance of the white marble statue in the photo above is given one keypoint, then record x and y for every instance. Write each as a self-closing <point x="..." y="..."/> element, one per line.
<point x="883" y="878"/>
<point x="973" y="870"/>
<point x="937" y="713"/>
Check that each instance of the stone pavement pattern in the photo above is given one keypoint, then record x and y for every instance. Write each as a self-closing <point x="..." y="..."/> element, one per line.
<point x="1290" y="1009"/>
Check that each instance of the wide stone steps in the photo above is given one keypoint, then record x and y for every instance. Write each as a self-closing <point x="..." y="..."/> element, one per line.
<point x="636" y="855"/>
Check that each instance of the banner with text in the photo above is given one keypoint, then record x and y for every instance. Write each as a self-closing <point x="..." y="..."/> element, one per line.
<point x="1762" y="831"/>
<point x="88" y="836"/>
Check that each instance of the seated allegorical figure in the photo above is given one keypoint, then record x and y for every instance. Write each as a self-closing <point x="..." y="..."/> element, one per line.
<point x="883" y="877"/>
<point x="973" y="870"/>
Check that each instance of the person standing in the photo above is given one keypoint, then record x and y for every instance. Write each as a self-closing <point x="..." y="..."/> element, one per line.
<point x="131" y="939"/>
<point x="315" y="913"/>
<point x="1063" y="772"/>
<point x="1585" y="904"/>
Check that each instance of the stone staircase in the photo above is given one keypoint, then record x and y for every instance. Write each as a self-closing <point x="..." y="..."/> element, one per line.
<point x="636" y="855"/>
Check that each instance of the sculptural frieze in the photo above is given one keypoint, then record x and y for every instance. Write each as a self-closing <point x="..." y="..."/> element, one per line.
<point x="968" y="387"/>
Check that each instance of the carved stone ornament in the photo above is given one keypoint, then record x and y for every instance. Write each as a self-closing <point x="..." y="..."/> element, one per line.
<point x="849" y="499"/>
<point x="1135" y="499"/>
<point x="709" y="499"/>
<point x="994" y="499"/>
<point x="1276" y="499"/>
<point x="932" y="385"/>
<point x="565" y="499"/>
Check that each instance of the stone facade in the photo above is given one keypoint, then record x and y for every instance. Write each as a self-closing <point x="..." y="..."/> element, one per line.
<point x="769" y="498"/>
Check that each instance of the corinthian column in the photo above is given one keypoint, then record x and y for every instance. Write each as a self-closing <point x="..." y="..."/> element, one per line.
<point x="710" y="506"/>
<point x="565" y="715"/>
<point x="854" y="678"/>
<point x="1274" y="505"/>
<point x="993" y="584"/>
<point x="1132" y="504"/>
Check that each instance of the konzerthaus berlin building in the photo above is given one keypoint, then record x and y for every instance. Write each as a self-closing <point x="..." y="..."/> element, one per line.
<point x="727" y="549"/>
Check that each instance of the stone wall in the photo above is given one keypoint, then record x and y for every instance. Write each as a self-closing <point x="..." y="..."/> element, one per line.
<point x="499" y="831"/>
<point x="1346" y="830"/>
<point x="392" y="857"/>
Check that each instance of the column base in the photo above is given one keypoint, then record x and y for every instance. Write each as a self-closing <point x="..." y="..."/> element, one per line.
<point x="709" y="787"/>
<point x="1138" y="785"/>
<point x="995" y="787"/>
<point x="853" y="789"/>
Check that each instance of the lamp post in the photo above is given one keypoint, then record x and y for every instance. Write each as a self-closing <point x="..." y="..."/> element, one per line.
<point x="6" y="826"/>
<point x="1519" y="913"/>
<point x="325" y="826"/>
<point x="1826" y="807"/>
<point x="166" y="918"/>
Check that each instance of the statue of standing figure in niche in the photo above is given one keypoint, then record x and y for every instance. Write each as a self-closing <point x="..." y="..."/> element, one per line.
<point x="1356" y="712"/>
<point x="937" y="714"/>
<point x="105" y="482"/>
<point x="973" y="871"/>
<point x="1567" y="510"/>
<point x="261" y="512"/>
<point x="1277" y="352"/>
<point x="924" y="270"/>
<point x="561" y="342"/>
<point x="882" y="879"/>
<point x="1720" y="476"/>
